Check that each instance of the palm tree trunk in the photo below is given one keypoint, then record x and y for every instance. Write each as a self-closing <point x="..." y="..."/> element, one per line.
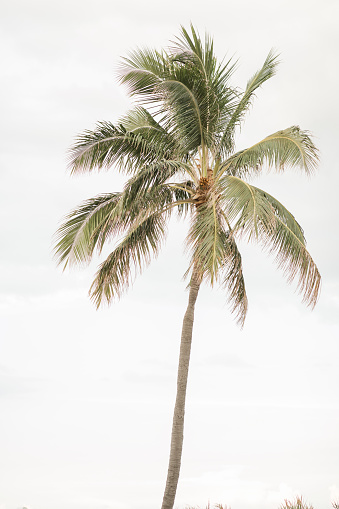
<point x="179" y="409"/>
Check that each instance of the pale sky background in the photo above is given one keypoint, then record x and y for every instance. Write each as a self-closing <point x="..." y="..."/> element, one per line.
<point x="86" y="397"/>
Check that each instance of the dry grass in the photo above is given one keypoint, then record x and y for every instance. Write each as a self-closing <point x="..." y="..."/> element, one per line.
<point x="216" y="506"/>
<point x="297" y="503"/>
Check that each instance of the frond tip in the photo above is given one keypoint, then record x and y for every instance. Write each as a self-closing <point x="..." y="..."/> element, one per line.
<point x="233" y="280"/>
<point x="296" y="262"/>
<point x="131" y="255"/>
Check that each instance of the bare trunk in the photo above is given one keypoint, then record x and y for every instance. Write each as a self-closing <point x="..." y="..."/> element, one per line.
<point x="179" y="409"/>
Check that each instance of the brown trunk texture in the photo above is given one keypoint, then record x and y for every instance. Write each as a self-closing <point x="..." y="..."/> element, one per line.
<point x="179" y="408"/>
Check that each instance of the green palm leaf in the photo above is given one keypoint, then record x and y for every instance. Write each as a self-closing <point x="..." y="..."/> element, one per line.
<point x="131" y="255"/>
<point x="76" y="238"/>
<point x="215" y="256"/>
<point x="261" y="217"/>
<point x="288" y="243"/>
<point x="290" y="147"/>
<point x="248" y="211"/>
<point x="108" y="145"/>
<point x="186" y="110"/>
<point x="95" y="221"/>
<point x="183" y="194"/>
<point x="213" y="93"/>
<point x="142" y="71"/>
<point x="141" y="122"/>
<point x="232" y="279"/>
<point x="206" y="240"/>
<point x="296" y="262"/>
<point x="152" y="178"/>
<point x="283" y="214"/>
<point x="266" y="72"/>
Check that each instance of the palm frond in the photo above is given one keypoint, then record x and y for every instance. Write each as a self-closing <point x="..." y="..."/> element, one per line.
<point x="190" y="48"/>
<point x="108" y="145"/>
<point x="96" y="220"/>
<point x="261" y="217"/>
<point x="211" y="88"/>
<point x="184" y="103"/>
<point x="76" y="238"/>
<point x="293" y="258"/>
<point x="142" y="71"/>
<point x="130" y="257"/>
<point x="183" y="194"/>
<point x="283" y="214"/>
<point x="151" y="176"/>
<point x="215" y="256"/>
<point x="191" y="45"/>
<point x="232" y="279"/>
<point x="290" y="147"/>
<point x="287" y="242"/>
<point x="266" y="72"/>
<point x="187" y="88"/>
<point x="140" y="121"/>
<point x="248" y="211"/>
<point x="206" y="241"/>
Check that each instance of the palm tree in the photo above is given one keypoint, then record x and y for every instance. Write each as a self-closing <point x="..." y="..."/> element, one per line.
<point x="177" y="148"/>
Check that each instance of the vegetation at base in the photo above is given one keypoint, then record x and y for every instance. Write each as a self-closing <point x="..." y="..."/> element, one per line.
<point x="297" y="503"/>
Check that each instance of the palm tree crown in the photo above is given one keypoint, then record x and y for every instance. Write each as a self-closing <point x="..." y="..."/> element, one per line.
<point x="177" y="147"/>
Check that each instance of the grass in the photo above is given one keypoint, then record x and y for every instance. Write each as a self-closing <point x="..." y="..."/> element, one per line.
<point x="297" y="503"/>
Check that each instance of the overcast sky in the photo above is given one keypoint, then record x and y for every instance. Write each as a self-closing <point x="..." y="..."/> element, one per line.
<point x="86" y="396"/>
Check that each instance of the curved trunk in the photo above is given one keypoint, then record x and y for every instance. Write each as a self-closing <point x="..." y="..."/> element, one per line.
<point x="179" y="408"/>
